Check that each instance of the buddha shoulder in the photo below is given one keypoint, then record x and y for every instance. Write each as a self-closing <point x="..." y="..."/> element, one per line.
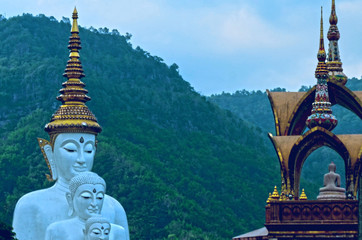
<point x="37" y="200"/>
<point x="112" y="203"/>
<point x="32" y="198"/>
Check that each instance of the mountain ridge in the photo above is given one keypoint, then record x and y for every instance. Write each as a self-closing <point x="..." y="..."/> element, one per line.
<point x="182" y="167"/>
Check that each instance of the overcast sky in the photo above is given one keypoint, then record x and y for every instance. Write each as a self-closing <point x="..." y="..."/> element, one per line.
<point x="222" y="45"/>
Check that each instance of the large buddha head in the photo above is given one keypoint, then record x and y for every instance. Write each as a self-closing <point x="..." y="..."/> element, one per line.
<point x="97" y="228"/>
<point x="86" y="195"/>
<point x="73" y="127"/>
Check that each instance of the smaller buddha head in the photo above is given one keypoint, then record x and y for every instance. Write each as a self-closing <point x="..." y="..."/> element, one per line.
<point x="332" y="167"/>
<point x="86" y="195"/>
<point x="97" y="228"/>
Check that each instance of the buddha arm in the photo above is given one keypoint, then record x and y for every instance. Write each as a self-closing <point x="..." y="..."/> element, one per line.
<point x="114" y="211"/>
<point x="117" y="233"/>
<point x="338" y="181"/>
<point x="121" y="218"/>
<point x="25" y="222"/>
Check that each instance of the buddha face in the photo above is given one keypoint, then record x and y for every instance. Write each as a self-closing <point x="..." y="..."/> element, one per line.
<point x="73" y="153"/>
<point x="98" y="231"/>
<point x="87" y="200"/>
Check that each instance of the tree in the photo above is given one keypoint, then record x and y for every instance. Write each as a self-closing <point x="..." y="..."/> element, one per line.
<point x="6" y="232"/>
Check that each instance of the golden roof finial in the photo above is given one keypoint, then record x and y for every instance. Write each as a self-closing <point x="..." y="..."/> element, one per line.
<point x="73" y="115"/>
<point x="321" y="52"/>
<point x="334" y="64"/>
<point x="74" y="70"/>
<point x="269" y="198"/>
<point x="75" y="28"/>
<point x="275" y="195"/>
<point x="303" y="196"/>
<point x="321" y="67"/>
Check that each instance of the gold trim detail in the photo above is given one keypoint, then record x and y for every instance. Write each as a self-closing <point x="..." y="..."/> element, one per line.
<point x="42" y="143"/>
<point x="73" y="115"/>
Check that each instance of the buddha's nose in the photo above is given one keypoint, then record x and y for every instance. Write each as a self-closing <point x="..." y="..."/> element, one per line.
<point x="93" y="203"/>
<point x="80" y="159"/>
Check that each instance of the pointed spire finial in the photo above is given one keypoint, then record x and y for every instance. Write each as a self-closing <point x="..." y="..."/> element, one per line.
<point x="75" y="28"/>
<point x="321" y="67"/>
<point x="333" y="20"/>
<point x="73" y="115"/>
<point x="321" y="53"/>
<point x="321" y="112"/>
<point x="334" y="64"/>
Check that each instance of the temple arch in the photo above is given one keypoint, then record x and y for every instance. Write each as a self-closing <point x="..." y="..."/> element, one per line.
<point x="316" y="166"/>
<point x="309" y="142"/>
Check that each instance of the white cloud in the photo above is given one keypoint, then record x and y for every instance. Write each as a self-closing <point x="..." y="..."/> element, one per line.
<point x="244" y="29"/>
<point x="351" y="7"/>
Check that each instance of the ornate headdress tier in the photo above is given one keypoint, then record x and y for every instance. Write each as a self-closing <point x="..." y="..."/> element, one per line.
<point x="334" y="64"/>
<point x="73" y="115"/>
<point x="321" y="112"/>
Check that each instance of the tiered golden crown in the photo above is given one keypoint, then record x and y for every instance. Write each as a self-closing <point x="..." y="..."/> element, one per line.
<point x="73" y="115"/>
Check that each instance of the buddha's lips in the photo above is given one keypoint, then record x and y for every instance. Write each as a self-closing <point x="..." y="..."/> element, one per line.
<point x="93" y="210"/>
<point x="80" y="169"/>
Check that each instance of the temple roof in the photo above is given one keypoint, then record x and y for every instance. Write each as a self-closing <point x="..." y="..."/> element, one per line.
<point x="291" y="109"/>
<point x="283" y="106"/>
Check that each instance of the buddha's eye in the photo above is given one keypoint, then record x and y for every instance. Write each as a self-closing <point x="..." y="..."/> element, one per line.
<point x="96" y="231"/>
<point x="69" y="150"/>
<point x="100" y="196"/>
<point x="86" y="195"/>
<point x="70" y="147"/>
<point x="88" y="148"/>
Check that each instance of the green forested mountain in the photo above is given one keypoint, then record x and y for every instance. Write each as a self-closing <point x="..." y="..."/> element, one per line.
<point x="254" y="107"/>
<point x="182" y="167"/>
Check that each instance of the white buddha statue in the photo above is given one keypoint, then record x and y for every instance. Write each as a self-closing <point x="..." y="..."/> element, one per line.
<point x="85" y="199"/>
<point x="97" y="228"/>
<point x="70" y="151"/>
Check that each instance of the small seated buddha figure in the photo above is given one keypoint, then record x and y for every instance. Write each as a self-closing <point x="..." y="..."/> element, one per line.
<point x="99" y="228"/>
<point x="96" y="228"/>
<point x="332" y="185"/>
<point x="85" y="199"/>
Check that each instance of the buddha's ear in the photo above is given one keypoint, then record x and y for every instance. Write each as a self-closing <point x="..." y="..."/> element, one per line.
<point x="48" y="155"/>
<point x="70" y="204"/>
